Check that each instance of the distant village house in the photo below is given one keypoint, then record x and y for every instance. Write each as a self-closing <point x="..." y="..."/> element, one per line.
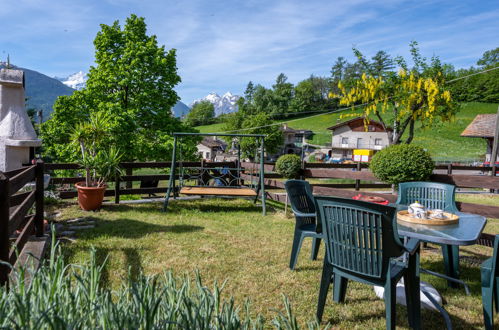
<point x="293" y="139"/>
<point x="209" y="147"/>
<point x="356" y="138"/>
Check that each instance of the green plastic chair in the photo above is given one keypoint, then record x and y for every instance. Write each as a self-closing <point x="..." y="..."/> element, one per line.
<point x="361" y="244"/>
<point x="490" y="286"/>
<point x="434" y="195"/>
<point x="303" y="206"/>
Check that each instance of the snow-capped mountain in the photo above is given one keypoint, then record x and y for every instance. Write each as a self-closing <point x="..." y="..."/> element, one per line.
<point x="76" y="80"/>
<point x="226" y="103"/>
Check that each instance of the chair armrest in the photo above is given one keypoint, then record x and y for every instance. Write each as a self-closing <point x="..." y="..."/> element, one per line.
<point x="412" y="245"/>
<point x="304" y="215"/>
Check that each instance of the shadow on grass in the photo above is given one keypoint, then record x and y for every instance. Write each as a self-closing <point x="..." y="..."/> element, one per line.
<point x="129" y="228"/>
<point x="175" y="207"/>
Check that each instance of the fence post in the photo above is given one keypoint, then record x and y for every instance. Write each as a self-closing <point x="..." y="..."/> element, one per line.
<point x="4" y="227"/>
<point x="117" y="189"/>
<point x="39" y="196"/>
<point x="357" y="182"/>
<point x="303" y="164"/>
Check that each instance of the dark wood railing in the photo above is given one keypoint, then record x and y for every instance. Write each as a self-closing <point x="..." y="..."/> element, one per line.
<point x="17" y="220"/>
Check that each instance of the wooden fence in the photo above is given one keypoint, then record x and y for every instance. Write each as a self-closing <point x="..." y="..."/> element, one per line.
<point x="359" y="173"/>
<point x="17" y="219"/>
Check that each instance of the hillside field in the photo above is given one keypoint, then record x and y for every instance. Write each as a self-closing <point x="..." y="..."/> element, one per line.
<point x="443" y="140"/>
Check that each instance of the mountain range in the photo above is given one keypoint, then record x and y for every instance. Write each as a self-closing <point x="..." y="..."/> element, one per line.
<point x="224" y="104"/>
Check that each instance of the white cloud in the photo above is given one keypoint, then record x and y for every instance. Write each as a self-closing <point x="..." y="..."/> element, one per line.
<point x="221" y="45"/>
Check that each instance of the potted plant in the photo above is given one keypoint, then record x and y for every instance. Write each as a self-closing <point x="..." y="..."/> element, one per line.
<point x="101" y="163"/>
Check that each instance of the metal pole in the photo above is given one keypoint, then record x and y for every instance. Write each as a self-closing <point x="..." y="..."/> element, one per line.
<point x="493" y="157"/>
<point x="171" y="181"/>
<point x="240" y="183"/>
<point x="262" y="175"/>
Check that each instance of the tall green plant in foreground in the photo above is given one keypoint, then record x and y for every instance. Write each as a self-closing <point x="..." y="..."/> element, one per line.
<point x="68" y="296"/>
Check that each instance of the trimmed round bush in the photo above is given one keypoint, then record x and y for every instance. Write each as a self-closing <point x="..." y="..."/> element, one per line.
<point x="288" y="166"/>
<point x="402" y="162"/>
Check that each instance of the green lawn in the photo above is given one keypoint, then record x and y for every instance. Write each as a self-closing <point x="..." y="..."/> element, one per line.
<point x="443" y="140"/>
<point x="230" y="240"/>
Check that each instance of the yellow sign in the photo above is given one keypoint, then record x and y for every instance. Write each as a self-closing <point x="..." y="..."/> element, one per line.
<point x="363" y="152"/>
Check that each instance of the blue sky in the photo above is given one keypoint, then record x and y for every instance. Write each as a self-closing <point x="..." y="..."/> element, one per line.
<point x="221" y="45"/>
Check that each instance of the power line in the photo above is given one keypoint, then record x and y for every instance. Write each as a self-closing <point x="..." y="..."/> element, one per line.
<point x="473" y="74"/>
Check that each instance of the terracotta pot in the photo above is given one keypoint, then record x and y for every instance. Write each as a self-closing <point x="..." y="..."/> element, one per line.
<point x="90" y="198"/>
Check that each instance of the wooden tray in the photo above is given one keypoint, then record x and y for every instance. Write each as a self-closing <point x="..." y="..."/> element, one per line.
<point x="406" y="217"/>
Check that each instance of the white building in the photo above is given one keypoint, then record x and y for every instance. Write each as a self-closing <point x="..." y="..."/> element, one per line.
<point x="356" y="134"/>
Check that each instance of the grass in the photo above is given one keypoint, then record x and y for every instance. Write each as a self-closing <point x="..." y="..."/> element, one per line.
<point x="443" y="140"/>
<point x="229" y="240"/>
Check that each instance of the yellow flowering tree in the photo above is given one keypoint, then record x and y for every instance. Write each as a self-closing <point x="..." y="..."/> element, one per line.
<point x="403" y="98"/>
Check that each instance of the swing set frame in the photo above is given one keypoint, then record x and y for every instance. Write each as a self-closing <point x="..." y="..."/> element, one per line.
<point x="227" y="191"/>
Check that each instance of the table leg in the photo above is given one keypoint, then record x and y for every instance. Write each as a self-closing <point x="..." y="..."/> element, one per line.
<point x="413" y="285"/>
<point x="451" y="262"/>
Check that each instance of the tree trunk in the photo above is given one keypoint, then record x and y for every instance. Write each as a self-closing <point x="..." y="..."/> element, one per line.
<point x="411" y="132"/>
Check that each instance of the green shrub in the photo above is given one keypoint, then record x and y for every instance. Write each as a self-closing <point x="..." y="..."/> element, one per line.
<point x="402" y="162"/>
<point x="288" y="166"/>
<point x="71" y="296"/>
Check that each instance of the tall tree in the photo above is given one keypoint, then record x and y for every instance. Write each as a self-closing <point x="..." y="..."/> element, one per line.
<point x="489" y="59"/>
<point x="381" y="64"/>
<point x="202" y="113"/>
<point x="282" y="93"/>
<point x="132" y="82"/>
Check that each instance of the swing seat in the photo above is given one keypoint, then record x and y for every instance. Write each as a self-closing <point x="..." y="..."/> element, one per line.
<point x="219" y="191"/>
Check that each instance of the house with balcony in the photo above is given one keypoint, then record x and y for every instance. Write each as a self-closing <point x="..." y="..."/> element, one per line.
<point x="293" y="140"/>
<point x="356" y="140"/>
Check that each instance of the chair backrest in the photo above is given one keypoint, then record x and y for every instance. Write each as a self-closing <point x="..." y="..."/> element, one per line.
<point x="430" y="194"/>
<point x="361" y="237"/>
<point x="495" y="258"/>
<point x="301" y="199"/>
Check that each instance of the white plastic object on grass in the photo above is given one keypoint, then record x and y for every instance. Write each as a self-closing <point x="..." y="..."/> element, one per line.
<point x="424" y="286"/>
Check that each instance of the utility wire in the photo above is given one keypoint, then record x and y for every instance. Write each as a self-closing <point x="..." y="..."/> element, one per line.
<point x="473" y="74"/>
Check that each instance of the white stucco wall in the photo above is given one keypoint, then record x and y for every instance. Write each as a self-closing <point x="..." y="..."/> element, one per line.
<point x="17" y="134"/>
<point x="368" y="139"/>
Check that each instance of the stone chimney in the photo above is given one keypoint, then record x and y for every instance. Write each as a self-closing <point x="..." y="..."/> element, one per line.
<point x="17" y="135"/>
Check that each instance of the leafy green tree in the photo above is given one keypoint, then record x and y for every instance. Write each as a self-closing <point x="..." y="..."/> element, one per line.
<point x="259" y="123"/>
<point x="202" y="113"/>
<point x="132" y="82"/>
<point x="489" y="59"/>
<point x="478" y="86"/>
<point x="262" y="100"/>
<point x="282" y="93"/>
<point x="307" y="97"/>
<point x="381" y="64"/>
